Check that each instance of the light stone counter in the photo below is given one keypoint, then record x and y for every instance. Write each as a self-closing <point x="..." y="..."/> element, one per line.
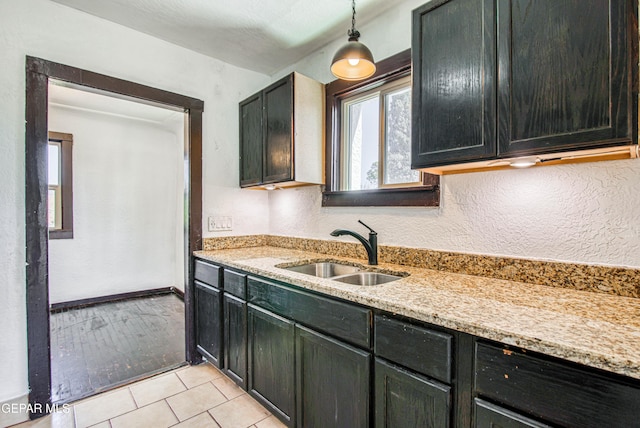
<point x="594" y="329"/>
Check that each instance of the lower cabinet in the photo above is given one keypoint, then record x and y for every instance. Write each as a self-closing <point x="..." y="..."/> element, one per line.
<point x="271" y="362"/>
<point x="552" y="391"/>
<point x="332" y="382"/>
<point x="491" y="416"/>
<point x="235" y="339"/>
<point x="406" y="399"/>
<point x="315" y="361"/>
<point x="209" y="322"/>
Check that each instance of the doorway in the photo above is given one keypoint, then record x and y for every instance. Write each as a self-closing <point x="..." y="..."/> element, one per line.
<point x="39" y="72"/>
<point x="116" y="268"/>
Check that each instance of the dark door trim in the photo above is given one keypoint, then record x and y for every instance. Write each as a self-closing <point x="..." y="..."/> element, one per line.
<point x="38" y="73"/>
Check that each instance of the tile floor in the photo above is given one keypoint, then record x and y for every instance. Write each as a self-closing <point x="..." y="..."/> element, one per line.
<point x="188" y="397"/>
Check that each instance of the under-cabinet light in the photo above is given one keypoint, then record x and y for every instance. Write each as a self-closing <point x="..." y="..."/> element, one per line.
<point x="523" y="162"/>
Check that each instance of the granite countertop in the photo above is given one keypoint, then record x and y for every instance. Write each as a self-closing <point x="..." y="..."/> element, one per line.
<point x="594" y="329"/>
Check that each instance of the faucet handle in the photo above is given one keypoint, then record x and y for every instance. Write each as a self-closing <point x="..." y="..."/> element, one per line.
<point x="371" y="230"/>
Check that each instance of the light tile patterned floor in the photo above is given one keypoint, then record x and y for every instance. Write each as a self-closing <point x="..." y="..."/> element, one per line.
<point x="188" y="397"/>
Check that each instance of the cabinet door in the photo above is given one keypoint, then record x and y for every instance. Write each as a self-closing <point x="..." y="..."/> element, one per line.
<point x="564" y="75"/>
<point x="251" y="141"/>
<point x="488" y="415"/>
<point x="407" y="399"/>
<point x="278" y="129"/>
<point x="235" y="339"/>
<point x="333" y="382"/>
<point x="209" y="322"/>
<point x="454" y="102"/>
<point x="271" y="362"/>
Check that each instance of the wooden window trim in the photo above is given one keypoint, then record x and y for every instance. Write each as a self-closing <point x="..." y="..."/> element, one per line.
<point x="427" y="195"/>
<point x="66" y="185"/>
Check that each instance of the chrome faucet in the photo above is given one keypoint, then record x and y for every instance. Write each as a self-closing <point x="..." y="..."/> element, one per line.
<point x="371" y="245"/>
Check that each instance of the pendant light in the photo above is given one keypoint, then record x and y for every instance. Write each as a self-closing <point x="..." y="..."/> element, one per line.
<point x="354" y="60"/>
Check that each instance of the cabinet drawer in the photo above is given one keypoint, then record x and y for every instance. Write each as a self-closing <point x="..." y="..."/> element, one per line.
<point x="207" y="273"/>
<point x="235" y="283"/>
<point x="489" y="416"/>
<point x="342" y="320"/>
<point x="554" y="391"/>
<point x="420" y="349"/>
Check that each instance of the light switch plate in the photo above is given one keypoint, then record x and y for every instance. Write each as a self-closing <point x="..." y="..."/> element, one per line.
<point x="220" y="223"/>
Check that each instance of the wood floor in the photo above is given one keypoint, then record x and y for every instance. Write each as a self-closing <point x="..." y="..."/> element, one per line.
<point x="100" y="347"/>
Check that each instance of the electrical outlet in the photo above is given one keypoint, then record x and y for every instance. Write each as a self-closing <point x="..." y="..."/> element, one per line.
<point x="220" y="223"/>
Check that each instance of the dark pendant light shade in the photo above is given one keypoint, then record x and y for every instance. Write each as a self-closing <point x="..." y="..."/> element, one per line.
<point x="354" y="60"/>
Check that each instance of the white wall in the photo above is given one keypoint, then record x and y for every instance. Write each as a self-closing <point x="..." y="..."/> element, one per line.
<point x="47" y="30"/>
<point x="127" y="175"/>
<point x="580" y="213"/>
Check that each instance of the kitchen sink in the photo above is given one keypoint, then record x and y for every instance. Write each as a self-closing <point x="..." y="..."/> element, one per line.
<point x="367" y="278"/>
<point x="324" y="269"/>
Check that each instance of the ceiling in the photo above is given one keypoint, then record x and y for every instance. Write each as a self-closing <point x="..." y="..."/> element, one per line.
<point x="260" y="35"/>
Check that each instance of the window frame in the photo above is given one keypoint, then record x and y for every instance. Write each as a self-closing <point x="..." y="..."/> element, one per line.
<point x="65" y="141"/>
<point x="427" y="194"/>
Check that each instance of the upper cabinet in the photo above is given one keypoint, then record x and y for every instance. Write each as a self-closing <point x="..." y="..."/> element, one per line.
<point x="281" y="134"/>
<point x="512" y="78"/>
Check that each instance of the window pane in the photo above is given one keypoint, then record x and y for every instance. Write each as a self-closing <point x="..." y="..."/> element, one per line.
<point x="362" y="142"/>
<point x="54" y="164"/>
<point x="51" y="205"/>
<point x="397" y="144"/>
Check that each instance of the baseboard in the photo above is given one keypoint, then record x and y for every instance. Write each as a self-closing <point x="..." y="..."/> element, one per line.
<point x="74" y="304"/>
<point x="14" y="411"/>
<point x="178" y="292"/>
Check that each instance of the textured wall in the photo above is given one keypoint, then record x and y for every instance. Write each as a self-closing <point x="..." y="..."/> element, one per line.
<point x="579" y="213"/>
<point x="48" y="30"/>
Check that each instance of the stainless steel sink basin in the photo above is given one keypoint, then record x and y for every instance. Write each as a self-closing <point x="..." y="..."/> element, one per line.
<point x="324" y="269"/>
<point x="367" y="278"/>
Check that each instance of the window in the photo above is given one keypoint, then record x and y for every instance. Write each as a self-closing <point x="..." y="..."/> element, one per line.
<point x="369" y="141"/>
<point x="60" y="196"/>
<point x="376" y="138"/>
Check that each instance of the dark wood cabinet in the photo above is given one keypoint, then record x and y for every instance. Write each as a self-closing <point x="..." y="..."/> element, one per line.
<point x="564" y="80"/>
<point x="489" y="415"/>
<point x="317" y="361"/>
<point x="332" y="382"/>
<point x="271" y="347"/>
<point x="454" y="86"/>
<point x="278" y="138"/>
<point x="266" y="139"/>
<point x="235" y="326"/>
<point x="281" y="133"/>
<point x="345" y="321"/>
<point x="554" y="391"/>
<point x="511" y="78"/>
<point x="235" y="339"/>
<point x="413" y="373"/>
<point x="407" y="399"/>
<point x="415" y="347"/>
<point x="209" y="322"/>
<point x="251" y="141"/>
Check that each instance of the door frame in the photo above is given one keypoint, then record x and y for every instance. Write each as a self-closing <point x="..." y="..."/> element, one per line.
<point x="38" y="73"/>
